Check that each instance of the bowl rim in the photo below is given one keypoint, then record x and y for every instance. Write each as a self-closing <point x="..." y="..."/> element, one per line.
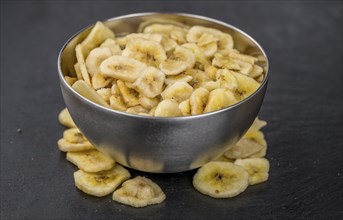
<point x="84" y="99"/>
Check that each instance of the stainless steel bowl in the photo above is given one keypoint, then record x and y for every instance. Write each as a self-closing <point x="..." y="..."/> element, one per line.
<point x="161" y="145"/>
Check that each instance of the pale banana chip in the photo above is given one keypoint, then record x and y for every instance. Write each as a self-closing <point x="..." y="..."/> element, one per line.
<point x="139" y="192"/>
<point x="198" y="100"/>
<point x="130" y="96"/>
<point x="105" y="93"/>
<point x="146" y="51"/>
<point x="257" y="168"/>
<point x="97" y="35"/>
<point x="180" y="60"/>
<point x="210" y="85"/>
<point x="112" y="45"/>
<point x="167" y="108"/>
<point x="116" y="100"/>
<point x="99" y="81"/>
<point x="88" y="92"/>
<point x="82" y="65"/>
<point x="172" y="31"/>
<point x="169" y="80"/>
<point x="65" y="119"/>
<point x="218" y="99"/>
<point x="91" y="160"/>
<point x="150" y="82"/>
<point x="185" y="107"/>
<point x="70" y="80"/>
<point x="221" y="179"/>
<point x="66" y="146"/>
<point x="246" y="85"/>
<point x="95" y="58"/>
<point x="137" y="110"/>
<point x="78" y="71"/>
<point x="101" y="183"/>
<point x="148" y="103"/>
<point x="123" y="68"/>
<point x="178" y="91"/>
<point x="74" y="135"/>
<point x="226" y="79"/>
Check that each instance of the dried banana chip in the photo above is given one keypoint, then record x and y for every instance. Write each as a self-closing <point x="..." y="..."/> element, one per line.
<point x="226" y="79"/>
<point x="185" y="107"/>
<point x="169" y="80"/>
<point x="167" y="108"/>
<point x="150" y="82"/>
<point x="70" y="80"/>
<point x="146" y="51"/>
<point x="65" y="119"/>
<point x="66" y="146"/>
<point x="172" y="31"/>
<point x="101" y="183"/>
<point x="218" y="99"/>
<point x="198" y="100"/>
<point x="180" y="60"/>
<point x="139" y="192"/>
<point x="99" y="81"/>
<point x="246" y="85"/>
<point x="112" y="45"/>
<point x="178" y="91"/>
<point x="130" y="96"/>
<point x="82" y="65"/>
<point x="105" y="93"/>
<point x="221" y="179"/>
<point x="96" y="36"/>
<point x="121" y="67"/>
<point x="91" y="161"/>
<point x="95" y="58"/>
<point x="88" y="92"/>
<point x="257" y="168"/>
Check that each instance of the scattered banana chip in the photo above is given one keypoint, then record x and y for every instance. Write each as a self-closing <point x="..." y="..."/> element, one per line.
<point x="101" y="183"/>
<point x="257" y="169"/>
<point x="73" y="140"/>
<point x="91" y="161"/>
<point x="139" y="192"/>
<point x="221" y="179"/>
<point x="65" y="119"/>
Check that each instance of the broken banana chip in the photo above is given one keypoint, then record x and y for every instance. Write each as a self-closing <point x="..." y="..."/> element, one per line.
<point x="101" y="183"/>
<point x="221" y="179"/>
<point x="65" y="119"/>
<point x="88" y="92"/>
<point x="91" y="161"/>
<point x="257" y="168"/>
<point x="139" y="192"/>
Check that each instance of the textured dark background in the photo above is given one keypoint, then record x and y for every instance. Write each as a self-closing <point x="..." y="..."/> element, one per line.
<point x="303" y="107"/>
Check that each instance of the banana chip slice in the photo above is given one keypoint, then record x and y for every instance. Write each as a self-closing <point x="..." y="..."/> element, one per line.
<point x="95" y="58"/>
<point x="174" y="32"/>
<point x="65" y="119"/>
<point x="185" y="107"/>
<point x="169" y="80"/>
<point x="246" y="85"/>
<point x="99" y="81"/>
<point x="88" y="92"/>
<point x="257" y="168"/>
<point x="116" y="100"/>
<point x="97" y="35"/>
<point x="139" y="192"/>
<point x="226" y="79"/>
<point x="148" y="103"/>
<point x="150" y="82"/>
<point x="91" y="161"/>
<point x="70" y="80"/>
<point x="105" y="93"/>
<point x="101" y="183"/>
<point x="221" y="179"/>
<point x="73" y="140"/>
<point x="112" y="45"/>
<point x="198" y="100"/>
<point x="146" y="51"/>
<point x="178" y="91"/>
<point x="123" y="68"/>
<point x="180" y="60"/>
<point x="137" y="110"/>
<point x="218" y="99"/>
<point x="167" y="108"/>
<point x="82" y="65"/>
<point x="130" y="96"/>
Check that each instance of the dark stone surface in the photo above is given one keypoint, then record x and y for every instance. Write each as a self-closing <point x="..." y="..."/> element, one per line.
<point x="303" y="107"/>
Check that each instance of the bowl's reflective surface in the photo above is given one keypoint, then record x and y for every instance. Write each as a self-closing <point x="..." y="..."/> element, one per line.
<point x="161" y="145"/>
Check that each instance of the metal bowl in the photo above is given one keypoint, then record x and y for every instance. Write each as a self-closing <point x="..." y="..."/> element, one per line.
<point x="154" y="144"/>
